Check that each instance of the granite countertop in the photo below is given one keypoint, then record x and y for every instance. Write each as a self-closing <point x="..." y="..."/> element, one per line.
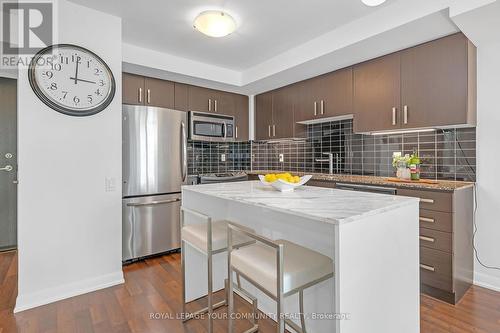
<point x="321" y="204"/>
<point x="442" y="185"/>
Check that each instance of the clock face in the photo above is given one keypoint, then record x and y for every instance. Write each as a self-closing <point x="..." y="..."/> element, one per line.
<point x="72" y="80"/>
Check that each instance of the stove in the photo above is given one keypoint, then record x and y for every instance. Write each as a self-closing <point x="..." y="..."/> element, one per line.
<point x="222" y="177"/>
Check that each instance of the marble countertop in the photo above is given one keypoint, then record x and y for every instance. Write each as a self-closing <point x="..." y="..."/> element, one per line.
<point x="323" y="204"/>
<point x="442" y="185"/>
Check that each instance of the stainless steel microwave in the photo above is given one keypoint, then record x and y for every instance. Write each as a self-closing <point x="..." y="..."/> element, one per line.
<point x="205" y="126"/>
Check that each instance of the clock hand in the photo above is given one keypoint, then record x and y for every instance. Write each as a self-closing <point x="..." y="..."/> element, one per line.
<point x="76" y="72"/>
<point x="77" y="79"/>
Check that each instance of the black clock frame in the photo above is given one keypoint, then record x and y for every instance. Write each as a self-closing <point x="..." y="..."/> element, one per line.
<point x="64" y="110"/>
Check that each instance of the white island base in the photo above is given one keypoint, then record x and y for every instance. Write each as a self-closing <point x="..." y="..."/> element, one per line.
<point x="372" y="238"/>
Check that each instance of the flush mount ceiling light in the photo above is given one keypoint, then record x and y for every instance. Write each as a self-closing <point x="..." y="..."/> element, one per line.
<point x="373" y="3"/>
<point x="214" y="23"/>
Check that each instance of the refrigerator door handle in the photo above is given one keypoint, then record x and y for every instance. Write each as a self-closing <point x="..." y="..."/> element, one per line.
<point x="183" y="151"/>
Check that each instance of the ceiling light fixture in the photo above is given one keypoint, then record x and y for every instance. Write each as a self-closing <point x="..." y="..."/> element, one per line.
<point x="214" y="23"/>
<point x="373" y="3"/>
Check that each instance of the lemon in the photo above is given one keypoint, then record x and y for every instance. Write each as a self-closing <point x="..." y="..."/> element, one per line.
<point x="296" y="179"/>
<point x="270" y="178"/>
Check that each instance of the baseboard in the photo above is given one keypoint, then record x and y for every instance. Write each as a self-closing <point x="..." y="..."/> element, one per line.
<point x="487" y="281"/>
<point x="50" y="295"/>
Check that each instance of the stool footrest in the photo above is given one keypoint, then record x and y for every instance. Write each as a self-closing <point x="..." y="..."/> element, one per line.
<point x="191" y="315"/>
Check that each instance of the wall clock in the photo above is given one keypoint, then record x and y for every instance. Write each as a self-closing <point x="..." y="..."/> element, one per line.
<point x="72" y="80"/>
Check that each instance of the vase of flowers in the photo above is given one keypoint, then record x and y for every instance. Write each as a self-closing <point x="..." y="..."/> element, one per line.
<point x="401" y="163"/>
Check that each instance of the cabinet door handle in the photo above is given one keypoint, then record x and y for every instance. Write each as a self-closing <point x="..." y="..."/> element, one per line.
<point x="427" y="239"/>
<point x="236" y="132"/>
<point x="269" y="130"/>
<point x="427" y="268"/>
<point x="140" y="95"/>
<point x="209" y="104"/>
<point x="429" y="201"/>
<point x="274" y="130"/>
<point x="394" y="119"/>
<point x="405" y="114"/>
<point x="215" y="105"/>
<point x="322" y="107"/>
<point x="315" y="108"/>
<point x="149" y="96"/>
<point x="426" y="219"/>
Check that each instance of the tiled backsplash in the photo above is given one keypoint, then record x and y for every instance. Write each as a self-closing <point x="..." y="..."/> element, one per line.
<point x="445" y="154"/>
<point x="207" y="157"/>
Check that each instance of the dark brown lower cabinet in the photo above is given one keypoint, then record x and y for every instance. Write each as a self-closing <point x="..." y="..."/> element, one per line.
<point x="446" y="252"/>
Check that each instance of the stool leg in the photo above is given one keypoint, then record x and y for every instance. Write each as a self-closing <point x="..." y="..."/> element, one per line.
<point x="210" y="305"/>
<point x="280" y="320"/>
<point x="230" y="309"/>
<point x="183" y="269"/>
<point x="301" y="309"/>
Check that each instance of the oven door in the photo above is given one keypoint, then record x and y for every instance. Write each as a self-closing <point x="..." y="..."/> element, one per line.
<point x="205" y="127"/>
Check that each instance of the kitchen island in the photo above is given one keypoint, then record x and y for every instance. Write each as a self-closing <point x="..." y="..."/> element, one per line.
<point x="372" y="239"/>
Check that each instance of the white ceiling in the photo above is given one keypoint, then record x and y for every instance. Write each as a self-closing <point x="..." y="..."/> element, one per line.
<point x="278" y="42"/>
<point x="266" y="28"/>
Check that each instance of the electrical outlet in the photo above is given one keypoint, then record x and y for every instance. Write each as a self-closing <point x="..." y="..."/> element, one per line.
<point x="223" y="157"/>
<point x="281" y="158"/>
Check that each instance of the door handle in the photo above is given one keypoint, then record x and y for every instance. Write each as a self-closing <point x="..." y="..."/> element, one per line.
<point x="274" y="130"/>
<point x="426" y="219"/>
<point x="153" y="203"/>
<point x="7" y="168"/>
<point x="209" y="104"/>
<point x="405" y="114"/>
<point x="269" y="130"/>
<point x="322" y="107"/>
<point x="236" y="132"/>
<point x="183" y="151"/>
<point x="215" y="105"/>
<point x="315" y="108"/>
<point x="427" y="239"/>
<point x="427" y="268"/>
<point x="394" y="116"/>
<point x="140" y="95"/>
<point x="149" y="96"/>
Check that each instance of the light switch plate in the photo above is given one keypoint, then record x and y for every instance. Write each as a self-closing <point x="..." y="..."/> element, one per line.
<point x="281" y="158"/>
<point x="223" y="157"/>
<point x="110" y="184"/>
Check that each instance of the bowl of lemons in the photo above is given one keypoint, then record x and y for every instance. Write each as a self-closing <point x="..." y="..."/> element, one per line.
<point x="283" y="182"/>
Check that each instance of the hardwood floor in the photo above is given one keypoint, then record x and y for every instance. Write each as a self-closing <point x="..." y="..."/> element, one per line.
<point x="154" y="286"/>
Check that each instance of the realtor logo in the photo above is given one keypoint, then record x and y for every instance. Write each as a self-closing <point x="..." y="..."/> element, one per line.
<point x="27" y="27"/>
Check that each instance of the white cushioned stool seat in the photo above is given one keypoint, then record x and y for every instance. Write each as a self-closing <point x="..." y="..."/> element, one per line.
<point x="300" y="265"/>
<point x="196" y="235"/>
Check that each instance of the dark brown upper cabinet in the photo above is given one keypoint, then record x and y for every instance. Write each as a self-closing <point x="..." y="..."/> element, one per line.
<point x="181" y="96"/>
<point x="438" y="81"/>
<point x="159" y="93"/>
<point x="429" y="85"/>
<point x="210" y="100"/>
<point x="325" y="96"/>
<point x="241" y="120"/>
<point x="377" y="94"/>
<point x="139" y="90"/>
<point x="132" y="89"/>
<point x="284" y="101"/>
<point x="274" y="117"/>
<point x="263" y="116"/>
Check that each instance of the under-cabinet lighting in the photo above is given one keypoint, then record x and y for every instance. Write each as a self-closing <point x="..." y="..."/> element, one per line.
<point x="404" y="131"/>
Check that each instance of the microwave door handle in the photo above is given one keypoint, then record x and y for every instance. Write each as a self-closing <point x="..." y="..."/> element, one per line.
<point x="183" y="151"/>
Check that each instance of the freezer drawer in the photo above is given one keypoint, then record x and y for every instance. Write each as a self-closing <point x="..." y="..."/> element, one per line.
<point x="150" y="225"/>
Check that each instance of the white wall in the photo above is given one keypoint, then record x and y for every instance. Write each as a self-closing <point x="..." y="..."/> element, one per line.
<point x="69" y="227"/>
<point x="488" y="160"/>
<point x="481" y="25"/>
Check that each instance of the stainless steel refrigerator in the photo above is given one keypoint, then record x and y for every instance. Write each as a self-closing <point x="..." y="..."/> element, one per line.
<point x="154" y="169"/>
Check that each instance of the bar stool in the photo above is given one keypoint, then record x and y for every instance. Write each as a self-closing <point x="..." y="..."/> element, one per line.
<point x="210" y="238"/>
<point x="278" y="268"/>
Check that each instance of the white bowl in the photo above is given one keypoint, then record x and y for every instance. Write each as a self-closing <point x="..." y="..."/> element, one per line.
<point x="284" y="186"/>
